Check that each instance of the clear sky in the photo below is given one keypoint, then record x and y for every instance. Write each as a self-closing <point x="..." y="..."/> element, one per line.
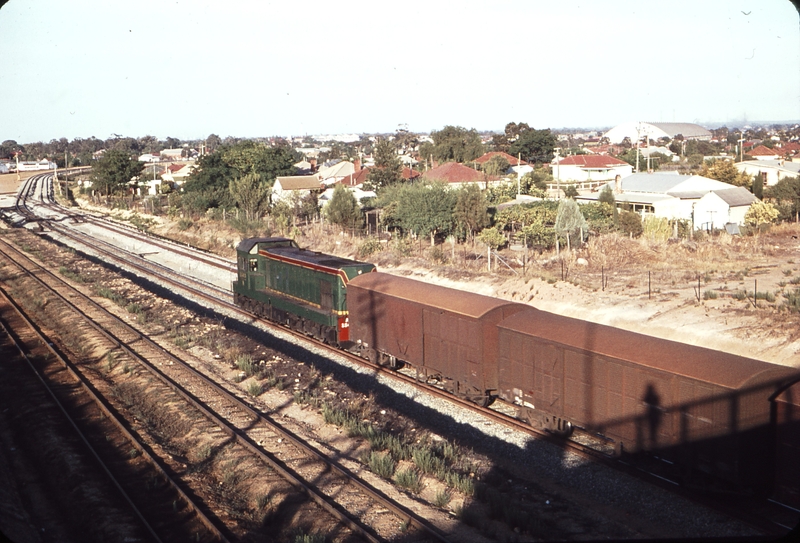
<point x="186" y="69"/>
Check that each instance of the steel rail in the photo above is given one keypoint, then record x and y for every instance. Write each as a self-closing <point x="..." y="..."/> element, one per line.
<point x="110" y="415"/>
<point x="240" y="436"/>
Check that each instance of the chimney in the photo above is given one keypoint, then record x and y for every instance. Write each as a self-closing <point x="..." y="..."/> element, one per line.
<point x="357" y="165"/>
<point x="618" y="184"/>
<point x="313" y="162"/>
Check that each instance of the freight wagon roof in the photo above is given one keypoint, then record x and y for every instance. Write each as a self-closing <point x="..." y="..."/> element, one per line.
<point x="716" y="367"/>
<point x="447" y="299"/>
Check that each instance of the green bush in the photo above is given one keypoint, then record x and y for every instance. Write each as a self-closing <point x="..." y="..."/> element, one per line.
<point x="631" y="224"/>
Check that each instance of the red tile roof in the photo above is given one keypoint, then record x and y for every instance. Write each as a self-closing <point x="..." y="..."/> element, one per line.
<point x="592" y="161"/>
<point x="790" y="148"/>
<point x="512" y="160"/>
<point x="408" y="173"/>
<point x="453" y="172"/>
<point x="762" y="151"/>
<point x="355" y="179"/>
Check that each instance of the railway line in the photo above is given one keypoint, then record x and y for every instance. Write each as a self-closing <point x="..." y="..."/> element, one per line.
<point x="163" y="510"/>
<point x="502" y="413"/>
<point x="328" y="483"/>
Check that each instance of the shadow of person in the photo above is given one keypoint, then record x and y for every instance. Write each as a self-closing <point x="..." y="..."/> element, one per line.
<point x="653" y="413"/>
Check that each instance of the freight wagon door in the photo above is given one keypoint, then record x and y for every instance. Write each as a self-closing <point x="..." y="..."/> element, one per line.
<point x="451" y="346"/>
<point x="548" y="379"/>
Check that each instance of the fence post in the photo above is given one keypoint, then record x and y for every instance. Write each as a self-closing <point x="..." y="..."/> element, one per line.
<point x="603" y="278"/>
<point x="649" y="290"/>
<point x="755" y="293"/>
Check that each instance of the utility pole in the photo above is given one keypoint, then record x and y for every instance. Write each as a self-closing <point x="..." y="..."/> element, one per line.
<point x="638" y="139"/>
<point x="741" y="148"/>
<point x="558" y="172"/>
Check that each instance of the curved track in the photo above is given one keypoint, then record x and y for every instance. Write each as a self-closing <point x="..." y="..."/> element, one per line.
<point x="583" y="444"/>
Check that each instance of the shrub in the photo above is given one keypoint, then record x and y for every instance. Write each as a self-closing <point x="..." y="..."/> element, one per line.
<point x="370" y="247"/>
<point x="710" y="295"/>
<point x="631" y="224"/>
<point x="409" y="478"/>
<point x="380" y="464"/>
<point x="255" y="388"/>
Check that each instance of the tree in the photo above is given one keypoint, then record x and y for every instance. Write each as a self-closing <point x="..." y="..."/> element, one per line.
<point x="535" y="146"/>
<point x="343" y="209"/>
<point x="114" y="171"/>
<point x="570" y="220"/>
<point x="496" y="166"/>
<point x="571" y="192"/>
<point x="606" y="196"/>
<point x="453" y="144"/>
<point x="212" y="142"/>
<point x="726" y="171"/>
<point x="470" y="212"/>
<point x="535" y="182"/>
<point x="760" y="213"/>
<point x="758" y="187"/>
<point x="786" y="193"/>
<point x="250" y="193"/>
<point x="425" y="209"/>
<point x="216" y="170"/>
<point x="492" y="237"/>
<point x="388" y="170"/>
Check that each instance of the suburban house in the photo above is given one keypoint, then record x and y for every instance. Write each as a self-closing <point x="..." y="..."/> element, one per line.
<point x="770" y="171"/>
<point x="336" y="172"/>
<point x="176" y="174"/>
<point x="719" y="208"/>
<point x="457" y="175"/>
<point x="589" y="171"/>
<point x="301" y="185"/>
<point x="673" y="196"/>
<point x="172" y="154"/>
<point x="762" y="152"/>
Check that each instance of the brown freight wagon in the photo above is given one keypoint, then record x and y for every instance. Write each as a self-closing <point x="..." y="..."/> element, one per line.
<point x="444" y="333"/>
<point x="787" y="457"/>
<point x="705" y="410"/>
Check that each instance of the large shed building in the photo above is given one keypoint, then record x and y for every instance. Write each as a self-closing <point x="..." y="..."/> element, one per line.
<point x="655" y="131"/>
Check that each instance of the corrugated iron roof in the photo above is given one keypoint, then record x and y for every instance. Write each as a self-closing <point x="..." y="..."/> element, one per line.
<point x="737" y="196"/>
<point x="448" y="299"/>
<point x="299" y="182"/>
<point x="715" y="367"/>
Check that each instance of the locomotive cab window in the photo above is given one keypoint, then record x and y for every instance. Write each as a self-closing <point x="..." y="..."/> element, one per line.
<point x="253" y="264"/>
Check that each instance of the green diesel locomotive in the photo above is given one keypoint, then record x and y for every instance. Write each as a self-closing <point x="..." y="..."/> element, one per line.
<point x="305" y="290"/>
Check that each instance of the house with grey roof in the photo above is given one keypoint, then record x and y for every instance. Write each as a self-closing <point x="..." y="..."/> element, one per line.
<point x="718" y="208"/>
<point x="770" y="171"/>
<point x="673" y="196"/>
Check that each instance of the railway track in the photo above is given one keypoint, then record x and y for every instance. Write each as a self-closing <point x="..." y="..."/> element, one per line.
<point x="589" y="446"/>
<point x="327" y="482"/>
<point x="163" y="510"/>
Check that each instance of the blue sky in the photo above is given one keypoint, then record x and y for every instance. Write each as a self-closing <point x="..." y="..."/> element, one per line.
<point x="187" y="69"/>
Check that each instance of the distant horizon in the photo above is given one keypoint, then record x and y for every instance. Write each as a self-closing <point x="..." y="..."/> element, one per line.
<point x="710" y="126"/>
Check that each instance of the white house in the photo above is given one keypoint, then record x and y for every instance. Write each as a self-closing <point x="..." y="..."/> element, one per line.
<point x="720" y="207"/>
<point x="673" y="196"/>
<point x="336" y="172"/>
<point x="589" y="171"/>
<point x="302" y="185"/>
<point x="771" y="171"/>
<point x="4" y="167"/>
